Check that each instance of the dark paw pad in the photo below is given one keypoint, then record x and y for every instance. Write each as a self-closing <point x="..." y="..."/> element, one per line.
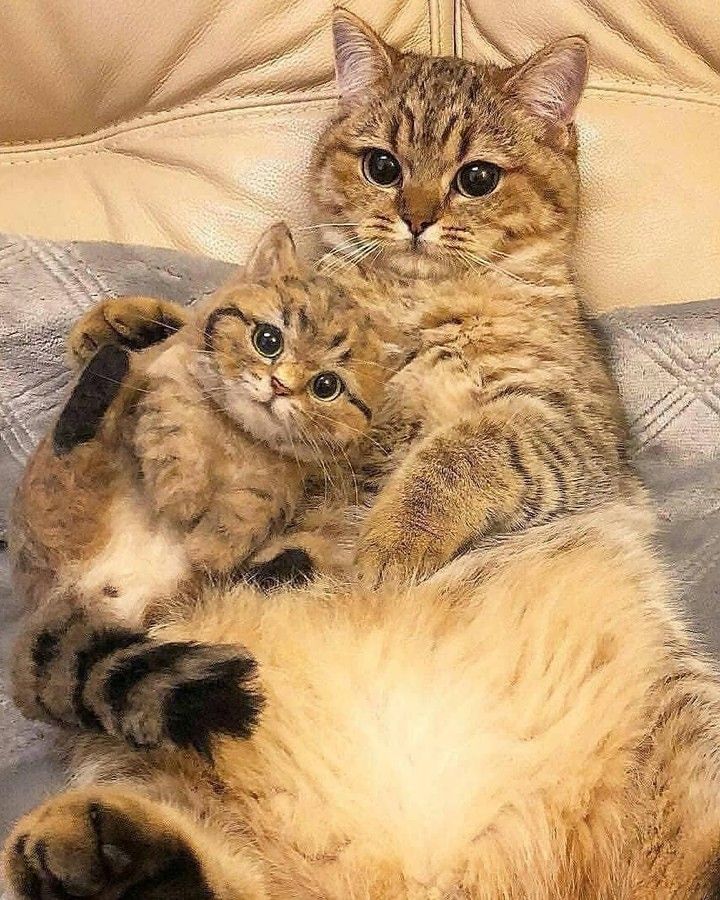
<point x="291" y="567"/>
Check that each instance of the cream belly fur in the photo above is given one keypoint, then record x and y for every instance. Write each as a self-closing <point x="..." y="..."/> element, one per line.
<point x="440" y="740"/>
<point x="143" y="560"/>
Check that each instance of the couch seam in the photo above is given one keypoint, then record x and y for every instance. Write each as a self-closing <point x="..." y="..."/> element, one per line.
<point x="618" y="92"/>
<point x="180" y="124"/>
<point x="171" y="114"/>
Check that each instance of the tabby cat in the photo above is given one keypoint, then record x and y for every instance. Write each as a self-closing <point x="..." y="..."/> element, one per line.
<point x="527" y="721"/>
<point x="206" y="452"/>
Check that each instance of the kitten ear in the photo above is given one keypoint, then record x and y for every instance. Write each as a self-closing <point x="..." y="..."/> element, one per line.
<point x="362" y="59"/>
<point x="549" y="85"/>
<point x="274" y="255"/>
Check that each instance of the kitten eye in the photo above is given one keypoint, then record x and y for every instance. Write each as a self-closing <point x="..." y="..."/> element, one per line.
<point x="327" y="386"/>
<point x="381" y="168"/>
<point x="267" y="340"/>
<point x="477" y="179"/>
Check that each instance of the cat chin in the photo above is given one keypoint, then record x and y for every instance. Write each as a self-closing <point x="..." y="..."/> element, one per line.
<point x="411" y="264"/>
<point x="257" y="420"/>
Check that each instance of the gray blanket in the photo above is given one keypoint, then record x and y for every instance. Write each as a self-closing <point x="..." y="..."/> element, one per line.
<point x="666" y="359"/>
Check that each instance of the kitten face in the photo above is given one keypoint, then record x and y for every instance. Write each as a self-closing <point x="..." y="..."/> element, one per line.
<point x="294" y="362"/>
<point x="443" y="165"/>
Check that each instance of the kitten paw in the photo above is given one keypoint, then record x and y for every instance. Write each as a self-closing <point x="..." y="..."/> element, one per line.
<point x="102" y="844"/>
<point x="131" y="322"/>
<point x="292" y="567"/>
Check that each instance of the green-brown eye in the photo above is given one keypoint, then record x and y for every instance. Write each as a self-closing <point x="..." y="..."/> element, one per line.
<point x="268" y="340"/>
<point x="381" y="168"/>
<point x="477" y="179"/>
<point x="327" y="386"/>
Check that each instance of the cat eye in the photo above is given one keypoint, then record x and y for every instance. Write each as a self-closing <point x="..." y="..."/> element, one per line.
<point x="381" y="168"/>
<point x="268" y="340"/>
<point x="327" y="386"/>
<point x="477" y="179"/>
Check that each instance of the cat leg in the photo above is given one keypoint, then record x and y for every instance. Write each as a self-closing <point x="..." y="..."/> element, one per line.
<point x="511" y="467"/>
<point x="241" y="518"/>
<point x="131" y="322"/>
<point x="114" y="844"/>
<point x="170" y="441"/>
<point x="325" y="543"/>
<point x="74" y="669"/>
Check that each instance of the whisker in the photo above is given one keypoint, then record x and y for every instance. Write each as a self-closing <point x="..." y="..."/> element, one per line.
<point x="328" y="225"/>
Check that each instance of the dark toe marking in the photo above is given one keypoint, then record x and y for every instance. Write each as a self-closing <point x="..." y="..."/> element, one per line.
<point x="291" y="567"/>
<point x="95" y="390"/>
<point x="181" y="878"/>
<point x="56" y="886"/>
<point x="225" y="701"/>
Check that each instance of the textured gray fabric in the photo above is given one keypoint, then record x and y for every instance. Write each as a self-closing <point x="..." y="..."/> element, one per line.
<point x="666" y="359"/>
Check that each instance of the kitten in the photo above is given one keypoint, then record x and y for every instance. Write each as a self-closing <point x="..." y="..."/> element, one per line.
<point x="531" y="721"/>
<point x="207" y="450"/>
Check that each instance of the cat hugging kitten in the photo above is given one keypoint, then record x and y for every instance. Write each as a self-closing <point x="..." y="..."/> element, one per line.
<point x="207" y="450"/>
<point x="508" y="704"/>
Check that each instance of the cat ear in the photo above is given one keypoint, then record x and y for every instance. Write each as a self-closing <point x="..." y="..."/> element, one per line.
<point x="274" y="255"/>
<point x="549" y="85"/>
<point x="362" y="59"/>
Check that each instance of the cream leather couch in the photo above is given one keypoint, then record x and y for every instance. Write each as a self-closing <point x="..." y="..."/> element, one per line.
<point x="188" y="123"/>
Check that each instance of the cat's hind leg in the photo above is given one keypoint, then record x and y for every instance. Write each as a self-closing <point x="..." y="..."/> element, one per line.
<point x="114" y="844"/>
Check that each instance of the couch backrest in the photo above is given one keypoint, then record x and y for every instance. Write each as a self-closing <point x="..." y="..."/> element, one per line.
<point x="188" y="123"/>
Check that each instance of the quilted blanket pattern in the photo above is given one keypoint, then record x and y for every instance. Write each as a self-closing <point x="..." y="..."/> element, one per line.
<point x="666" y="360"/>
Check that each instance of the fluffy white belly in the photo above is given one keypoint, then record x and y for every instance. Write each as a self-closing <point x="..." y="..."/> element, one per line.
<point x="143" y="560"/>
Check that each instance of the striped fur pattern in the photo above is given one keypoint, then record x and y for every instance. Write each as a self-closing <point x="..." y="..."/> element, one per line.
<point x="91" y="673"/>
<point x="204" y="453"/>
<point x="528" y="721"/>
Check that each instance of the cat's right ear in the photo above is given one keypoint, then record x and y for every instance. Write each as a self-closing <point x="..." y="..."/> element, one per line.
<point x="274" y="255"/>
<point x="362" y="59"/>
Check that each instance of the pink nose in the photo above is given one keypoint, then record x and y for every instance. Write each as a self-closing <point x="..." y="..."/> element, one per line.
<point x="280" y="389"/>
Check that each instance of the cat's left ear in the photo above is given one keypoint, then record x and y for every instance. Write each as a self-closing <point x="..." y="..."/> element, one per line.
<point x="549" y="85"/>
<point x="362" y="59"/>
<point x="274" y="255"/>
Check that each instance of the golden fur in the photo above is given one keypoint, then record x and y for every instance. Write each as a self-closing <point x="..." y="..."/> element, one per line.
<point x="200" y="461"/>
<point x="528" y="721"/>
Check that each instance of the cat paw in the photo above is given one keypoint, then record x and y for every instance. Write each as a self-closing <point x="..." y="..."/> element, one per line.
<point x="293" y="567"/>
<point x="102" y="844"/>
<point x="397" y="555"/>
<point x="131" y="322"/>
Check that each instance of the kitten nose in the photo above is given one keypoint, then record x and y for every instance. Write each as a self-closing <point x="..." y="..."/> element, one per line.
<point x="416" y="227"/>
<point x="278" y="388"/>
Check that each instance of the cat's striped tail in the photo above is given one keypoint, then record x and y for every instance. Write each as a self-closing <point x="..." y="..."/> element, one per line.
<point x="73" y="669"/>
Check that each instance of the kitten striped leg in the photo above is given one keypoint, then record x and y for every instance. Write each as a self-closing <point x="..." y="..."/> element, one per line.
<point x="76" y="671"/>
<point x="113" y="844"/>
<point x="523" y="460"/>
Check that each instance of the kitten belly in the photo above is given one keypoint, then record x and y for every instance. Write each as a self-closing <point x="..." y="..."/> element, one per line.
<point x="143" y="560"/>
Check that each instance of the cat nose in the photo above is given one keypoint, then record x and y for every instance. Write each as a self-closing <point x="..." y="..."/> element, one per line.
<point x="415" y="226"/>
<point x="278" y="388"/>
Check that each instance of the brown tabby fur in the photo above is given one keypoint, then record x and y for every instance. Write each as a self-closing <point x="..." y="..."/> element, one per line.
<point x="531" y="721"/>
<point x="198" y="463"/>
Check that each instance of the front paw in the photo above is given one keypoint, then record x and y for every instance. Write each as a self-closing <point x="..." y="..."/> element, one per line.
<point x="398" y="555"/>
<point x="213" y="547"/>
<point x="102" y="844"/>
<point x="132" y="322"/>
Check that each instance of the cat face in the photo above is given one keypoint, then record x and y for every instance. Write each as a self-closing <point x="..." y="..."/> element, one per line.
<point x="442" y="165"/>
<point x="292" y="359"/>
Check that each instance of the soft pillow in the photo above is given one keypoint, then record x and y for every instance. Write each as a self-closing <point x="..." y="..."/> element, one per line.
<point x="666" y="360"/>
